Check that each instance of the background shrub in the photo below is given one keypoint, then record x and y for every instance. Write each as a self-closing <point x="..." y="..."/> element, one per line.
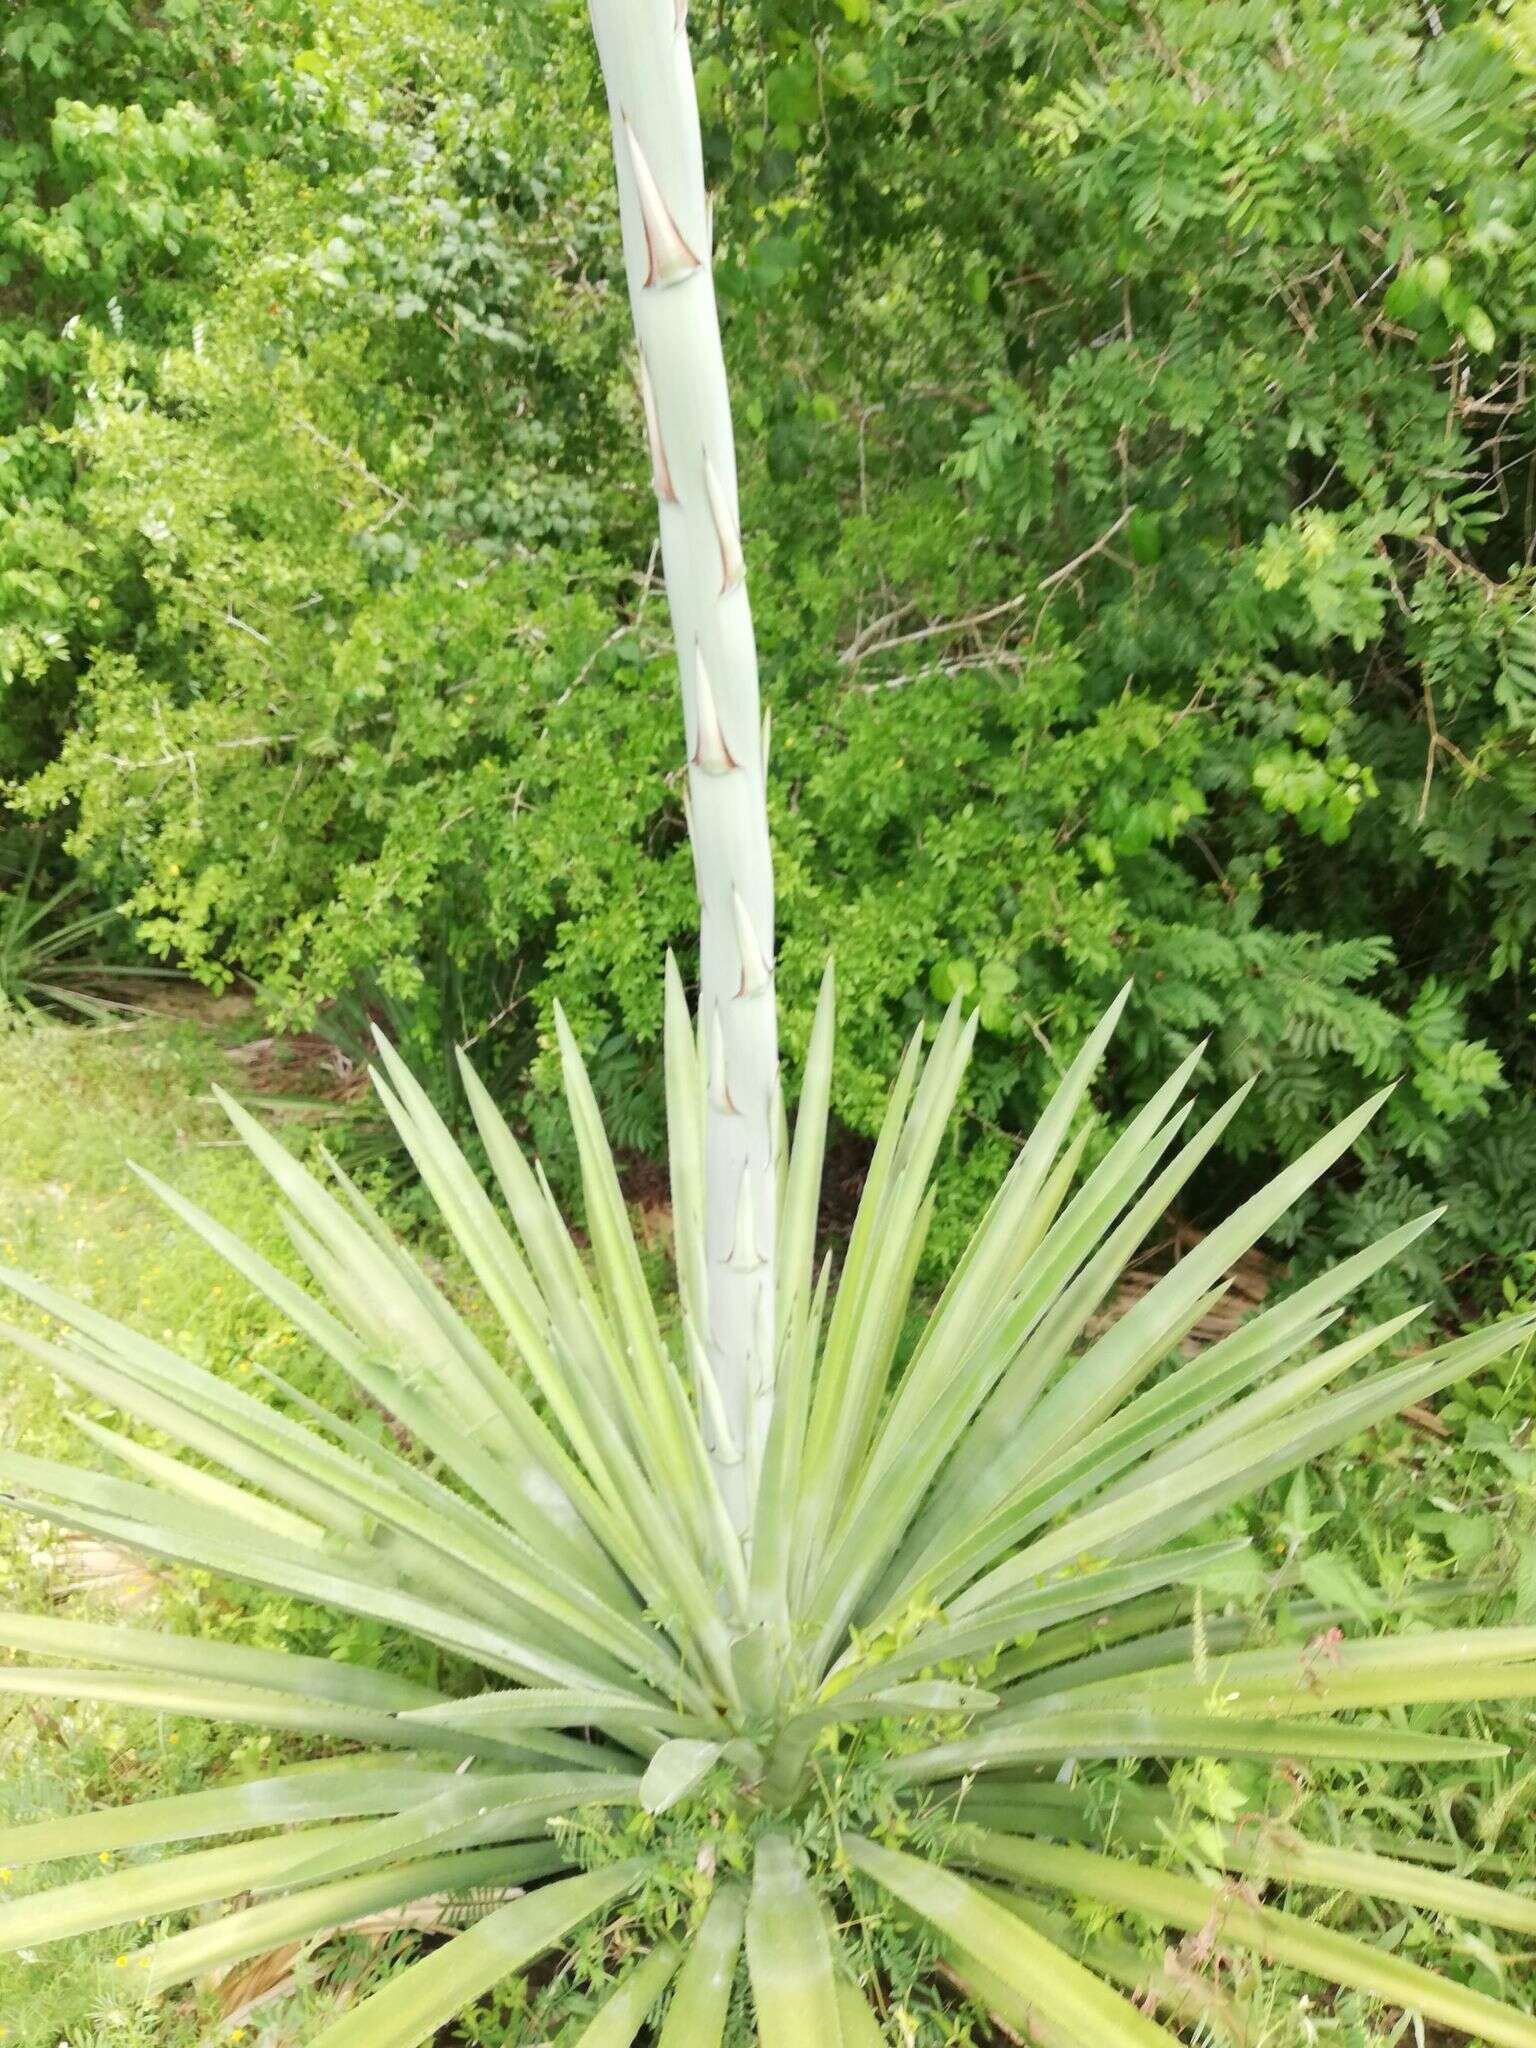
<point x="1164" y="605"/>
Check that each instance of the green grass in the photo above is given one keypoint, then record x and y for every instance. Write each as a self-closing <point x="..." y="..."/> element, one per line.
<point x="76" y="1105"/>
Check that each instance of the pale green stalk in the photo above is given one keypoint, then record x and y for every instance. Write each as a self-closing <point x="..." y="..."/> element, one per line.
<point x="664" y="209"/>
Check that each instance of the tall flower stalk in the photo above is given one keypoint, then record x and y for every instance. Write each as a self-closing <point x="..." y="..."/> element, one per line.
<point x="664" y="208"/>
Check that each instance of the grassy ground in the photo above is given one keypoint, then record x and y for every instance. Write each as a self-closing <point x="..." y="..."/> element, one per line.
<point x="1442" y="1494"/>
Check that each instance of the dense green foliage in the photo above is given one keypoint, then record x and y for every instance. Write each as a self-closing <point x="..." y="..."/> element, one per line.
<point x="1163" y="601"/>
<point x="116" y="140"/>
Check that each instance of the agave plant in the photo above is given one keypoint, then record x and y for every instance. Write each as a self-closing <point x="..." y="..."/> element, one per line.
<point x="773" y="1635"/>
<point x="966" y="1567"/>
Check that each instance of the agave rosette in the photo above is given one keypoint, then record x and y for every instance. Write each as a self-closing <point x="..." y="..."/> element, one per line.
<point x="970" y="1564"/>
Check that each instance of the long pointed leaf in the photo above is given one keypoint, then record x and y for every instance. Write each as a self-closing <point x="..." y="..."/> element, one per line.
<point x="788" y="1954"/>
<point x="147" y="1891"/>
<point x="1303" y="1944"/>
<point x="426" y="1995"/>
<point x="702" y="1997"/>
<point x="1132" y="1731"/>
<point x="1032" y="1967"/>
<point x="344" y="1790"/>
<point x="327" y="1908"/>
<point x="625" y="2012"/>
